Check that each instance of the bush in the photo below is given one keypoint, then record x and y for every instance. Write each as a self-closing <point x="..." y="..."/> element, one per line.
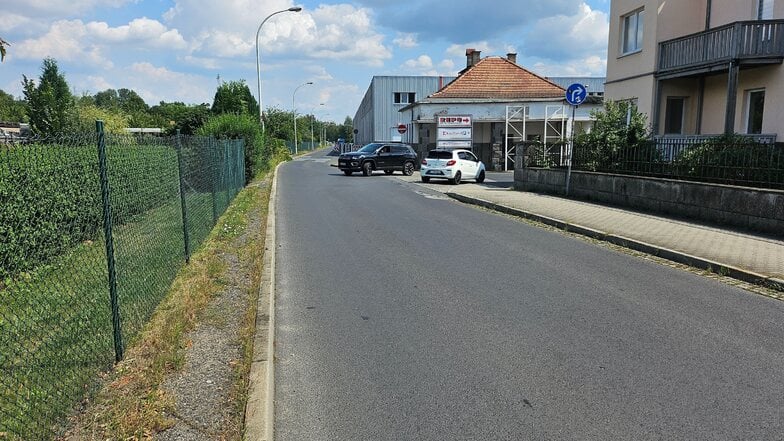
<point x="731" y="159"/>
<point x="230" y="126"/>
<point x="50" y="198"/>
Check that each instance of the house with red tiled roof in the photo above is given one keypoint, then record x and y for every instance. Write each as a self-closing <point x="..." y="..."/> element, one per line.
<point x="493" y="105"/>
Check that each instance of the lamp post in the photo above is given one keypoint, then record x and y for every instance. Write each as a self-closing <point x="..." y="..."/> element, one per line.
<point x="258" y="66"/>
<point x="324" y="128"/>
<point x="294" y="109"/>
<point x="312" y="117"/>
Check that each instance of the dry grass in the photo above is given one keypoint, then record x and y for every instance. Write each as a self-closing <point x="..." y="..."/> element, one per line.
<point x="133" y="405"/>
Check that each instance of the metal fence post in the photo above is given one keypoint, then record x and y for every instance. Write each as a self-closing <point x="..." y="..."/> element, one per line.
<point x="213" y="168"/>
<point x="183" y="205"/>
<point x="107" y="231"/>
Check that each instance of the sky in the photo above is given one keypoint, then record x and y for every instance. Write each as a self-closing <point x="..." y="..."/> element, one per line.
<point x="179" y="50"/>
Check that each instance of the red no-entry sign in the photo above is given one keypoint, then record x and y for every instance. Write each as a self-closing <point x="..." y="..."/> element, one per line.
<point x="401" y="128"/>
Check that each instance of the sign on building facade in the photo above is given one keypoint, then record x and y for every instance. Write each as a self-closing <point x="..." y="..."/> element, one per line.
<point x="454" y="132"/>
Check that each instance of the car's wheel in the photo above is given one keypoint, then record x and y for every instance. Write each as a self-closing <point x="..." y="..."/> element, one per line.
<point x="367" y="169"/>
<point x="425" y="179"/>
<point x="456" y="179"/>
<point x="388" y="172"/>
<point x="408" y="168"/>
<point x="347" y="172"/>
<point x="481" y="177"/>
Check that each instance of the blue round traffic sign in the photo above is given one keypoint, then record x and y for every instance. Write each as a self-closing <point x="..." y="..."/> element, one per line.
<point x="576" y="93"/>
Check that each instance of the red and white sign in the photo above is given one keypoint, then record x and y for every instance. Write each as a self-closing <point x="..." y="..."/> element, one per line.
<point x="454" y="121"/>
<point x="401" y="128"/>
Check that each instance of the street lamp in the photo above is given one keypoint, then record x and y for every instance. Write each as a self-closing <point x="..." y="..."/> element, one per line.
<point x="258" y="66"/>
<point x="294" y="109"/>
<point x="324" y="128"/>
<point x="312" y="117"/>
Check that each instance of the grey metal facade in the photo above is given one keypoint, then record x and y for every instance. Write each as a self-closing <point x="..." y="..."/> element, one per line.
<point x="378" y="115"/>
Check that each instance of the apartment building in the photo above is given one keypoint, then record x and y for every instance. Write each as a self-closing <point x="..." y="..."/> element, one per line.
<point x="700" y="66"/>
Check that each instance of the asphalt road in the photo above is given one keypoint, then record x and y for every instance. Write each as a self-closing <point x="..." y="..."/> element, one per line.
<point x="402" y="315"/>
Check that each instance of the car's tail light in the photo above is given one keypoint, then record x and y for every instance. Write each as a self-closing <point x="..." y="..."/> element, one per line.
<point x="451" y="162"/>
<point x="424" y="162"/>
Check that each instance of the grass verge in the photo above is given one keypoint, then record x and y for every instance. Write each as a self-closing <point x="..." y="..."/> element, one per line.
<point x="133" y="403"/>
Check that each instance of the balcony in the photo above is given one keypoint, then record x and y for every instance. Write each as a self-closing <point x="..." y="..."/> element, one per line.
<point x="748" y="43"/>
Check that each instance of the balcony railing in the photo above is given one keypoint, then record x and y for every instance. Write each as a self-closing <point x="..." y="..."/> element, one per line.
<point x="760" y="41"/>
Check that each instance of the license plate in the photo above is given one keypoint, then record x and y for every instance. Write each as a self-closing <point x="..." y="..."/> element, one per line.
<point x="435" y="172"/>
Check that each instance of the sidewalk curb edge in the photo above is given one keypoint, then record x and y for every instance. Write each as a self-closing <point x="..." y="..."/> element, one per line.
<point x="665" y="253"/>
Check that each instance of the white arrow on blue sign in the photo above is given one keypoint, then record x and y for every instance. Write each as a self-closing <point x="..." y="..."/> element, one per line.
<point x="576" y="94"/>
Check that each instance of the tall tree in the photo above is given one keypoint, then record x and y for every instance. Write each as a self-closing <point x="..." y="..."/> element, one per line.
<point x="234" y="97"/>
<point x="130" y="101"/>
<point x="50" y="103"/>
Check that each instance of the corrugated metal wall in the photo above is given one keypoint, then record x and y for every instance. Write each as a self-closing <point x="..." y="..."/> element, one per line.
<point x="378" y="115"/>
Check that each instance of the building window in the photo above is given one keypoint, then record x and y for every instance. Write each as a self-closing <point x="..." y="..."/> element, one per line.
<point x="632" y="31"/>
<point x="755" y="105"/>
<point x="405" y="97"/>
<point x="764" y="9"/>
<point x="673" y="115"/>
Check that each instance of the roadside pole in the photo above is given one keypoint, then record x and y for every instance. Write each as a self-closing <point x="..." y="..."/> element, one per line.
<point x="576" y="94"/>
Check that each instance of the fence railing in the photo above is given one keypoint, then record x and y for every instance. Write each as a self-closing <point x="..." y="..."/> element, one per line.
<point x="742" y="162"/>
<point x="93" y="230"/>
<point x="758" y="39"/>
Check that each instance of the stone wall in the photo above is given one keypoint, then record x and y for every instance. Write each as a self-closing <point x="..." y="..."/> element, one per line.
<point x="748" y="208"/>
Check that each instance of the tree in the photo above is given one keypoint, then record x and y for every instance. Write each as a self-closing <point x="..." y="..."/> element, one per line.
<point x="3" y="45"/>
<point x="50" y="103"/>
<point x="346" y="131"/>
<point x="11" y="109"/>
<point x="619" y="131"/>
<point x="177" y="115"/>
<point x="279" y="123"/>
<point x="234" y="97"/>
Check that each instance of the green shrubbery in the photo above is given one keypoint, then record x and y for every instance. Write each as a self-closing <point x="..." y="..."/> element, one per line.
<point x="50" y="196"/>
<point x="231" y="126"/>
<point x="731" y="159"/>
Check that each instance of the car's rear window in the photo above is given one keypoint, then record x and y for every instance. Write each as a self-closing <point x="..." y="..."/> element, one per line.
<point x="439" y="154"/>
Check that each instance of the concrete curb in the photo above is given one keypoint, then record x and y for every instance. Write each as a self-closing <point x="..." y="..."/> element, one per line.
<point x="260" y="408"/>
<point x="655" y="250"/>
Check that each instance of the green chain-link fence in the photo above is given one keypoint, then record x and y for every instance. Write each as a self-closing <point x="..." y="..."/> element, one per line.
<point x="93" y="230"/>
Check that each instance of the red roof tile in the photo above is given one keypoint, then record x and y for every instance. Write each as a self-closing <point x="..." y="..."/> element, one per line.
<point x="497" y="77"/>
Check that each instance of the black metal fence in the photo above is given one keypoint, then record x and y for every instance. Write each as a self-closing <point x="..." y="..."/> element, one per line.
<point x="738" y="161"/>
<point x="93" y="230"/>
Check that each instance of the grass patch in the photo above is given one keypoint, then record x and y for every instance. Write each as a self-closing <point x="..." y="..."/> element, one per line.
<point x="133" y="404"/>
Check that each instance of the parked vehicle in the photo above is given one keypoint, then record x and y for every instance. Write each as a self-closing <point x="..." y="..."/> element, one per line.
<point x="386" y="156"/>
<point x="453" y="165"/>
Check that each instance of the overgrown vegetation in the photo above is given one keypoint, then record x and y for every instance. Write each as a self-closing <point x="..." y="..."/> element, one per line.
<point x="619" y="135"/>
<point x="732" y="159"/>
<point x="134" y="405"/>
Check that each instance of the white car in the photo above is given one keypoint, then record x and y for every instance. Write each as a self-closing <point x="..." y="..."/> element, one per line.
<point x="453" y="165"/>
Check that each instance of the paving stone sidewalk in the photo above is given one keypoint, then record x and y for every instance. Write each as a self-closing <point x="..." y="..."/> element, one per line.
<point x="746" y="256"/>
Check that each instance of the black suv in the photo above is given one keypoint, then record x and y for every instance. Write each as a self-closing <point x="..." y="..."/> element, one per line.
<point x="387" y="156"/>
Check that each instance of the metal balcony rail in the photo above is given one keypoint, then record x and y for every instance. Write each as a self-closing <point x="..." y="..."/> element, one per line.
<point x="757" y="41"/>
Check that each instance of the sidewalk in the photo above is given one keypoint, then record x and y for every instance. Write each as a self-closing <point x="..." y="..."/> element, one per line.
<point x="742" y="256"/>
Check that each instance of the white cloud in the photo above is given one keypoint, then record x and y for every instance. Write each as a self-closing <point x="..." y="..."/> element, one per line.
<point x="405" y="40"/>
<point x="72" y="40"/>
<point x="422" y="62"/>
<point x="142" y="31"/>
<point x="572" y="36"/>
<point x="593" y="66"/>
<point x="154" y="83"/>
<point x="65" y="41"/>
<point x="227" y="30"/>
<point x="57" y="8"/>
<point x="98" y="83"/>
<point x="458" y="50"/>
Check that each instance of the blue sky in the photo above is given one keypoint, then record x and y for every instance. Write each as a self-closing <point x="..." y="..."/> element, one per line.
<point x="174" y="50"/>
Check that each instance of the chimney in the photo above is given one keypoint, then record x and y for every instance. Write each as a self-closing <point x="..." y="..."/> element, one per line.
<point x="476" y="57"/>
<point x="469" y="58"/>
<point x="511" y="56"/>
